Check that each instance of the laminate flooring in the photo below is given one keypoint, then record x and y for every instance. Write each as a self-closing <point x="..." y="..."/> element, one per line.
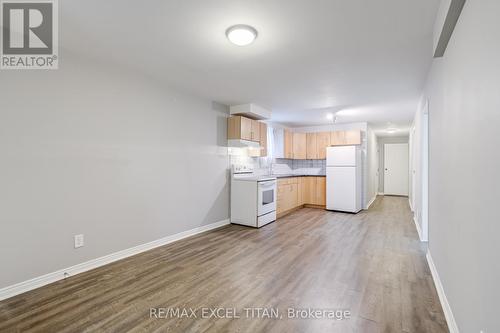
<point x="365" y="272"/>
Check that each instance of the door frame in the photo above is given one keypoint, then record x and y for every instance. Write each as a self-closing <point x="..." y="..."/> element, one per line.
<point x="407" y="171"/>
<point x="412" y="171"/>
<point x="425" y="173"/>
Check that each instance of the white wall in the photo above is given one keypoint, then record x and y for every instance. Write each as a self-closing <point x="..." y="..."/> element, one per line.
<point x="104" y="152"/>
<point x="417" y="171"/>
<point x="463" y="89"/>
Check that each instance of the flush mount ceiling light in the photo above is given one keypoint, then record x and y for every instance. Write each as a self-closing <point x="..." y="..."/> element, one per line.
<point x="331" y="117"/>
<point x="241" y="34"/>
<point x="391" y="130"/>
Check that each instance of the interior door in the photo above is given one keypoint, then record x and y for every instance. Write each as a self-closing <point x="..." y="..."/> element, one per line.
<point x="396" y="169"/>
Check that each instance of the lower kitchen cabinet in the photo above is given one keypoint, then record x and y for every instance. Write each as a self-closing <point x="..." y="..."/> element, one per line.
<point x="315" y="191"/>
<point x="309" y="189"/>
<point x="288" y="194"/>
<point x="296" y="192"/>
<point x="300" y="194"/>
<point x="320" y="191"/>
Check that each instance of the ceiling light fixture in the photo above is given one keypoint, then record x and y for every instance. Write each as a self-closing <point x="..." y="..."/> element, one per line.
<point x="241" y="34"/>
<point x="391" y="130"/>
<point x="329" y="116"/>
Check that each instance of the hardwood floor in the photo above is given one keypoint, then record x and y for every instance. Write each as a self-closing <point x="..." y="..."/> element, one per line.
<point x="370" y="264"/>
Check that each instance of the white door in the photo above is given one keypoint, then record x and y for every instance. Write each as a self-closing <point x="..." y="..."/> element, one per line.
<point x="396" y="169"/>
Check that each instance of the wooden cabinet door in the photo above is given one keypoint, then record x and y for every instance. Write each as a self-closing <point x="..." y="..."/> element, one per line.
<point x="246" y="128"/>
<point x="255" y="130"/>
<point x="239" y="127"/>
<point x="320" y="191"/>
<point x="288" y="144"/>
<point x="234" y="127"/>
<point x="352" y="137"/>
<point x="300" y="189"/>
<point x="243" y="128"/>
<point x="263" y="139"/>
<point x="288" y="194"/>
<point x="293" y="199"/>
<point x="280" y="197"/>
<point x="337" y="138"/>
<point x="311" y="146"/>
<point x="322" y="142"/>
<point x="340" y="138"/>
<point x="309" y="190"/>
<point x="299" y="146"/>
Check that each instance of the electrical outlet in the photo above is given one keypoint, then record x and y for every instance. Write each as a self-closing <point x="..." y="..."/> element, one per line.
<point x="78" y="241"/>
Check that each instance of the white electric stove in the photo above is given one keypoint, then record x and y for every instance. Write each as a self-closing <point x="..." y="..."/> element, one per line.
<point x="253" y="197"/>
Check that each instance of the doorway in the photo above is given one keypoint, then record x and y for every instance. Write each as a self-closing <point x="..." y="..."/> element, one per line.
<point x="396" y="169"/>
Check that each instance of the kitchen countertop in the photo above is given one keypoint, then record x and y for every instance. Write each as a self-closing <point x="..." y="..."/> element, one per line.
<point x="291" y="176"/>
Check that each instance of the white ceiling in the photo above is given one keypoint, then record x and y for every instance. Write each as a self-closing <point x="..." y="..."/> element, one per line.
<point x="366" y="59"/>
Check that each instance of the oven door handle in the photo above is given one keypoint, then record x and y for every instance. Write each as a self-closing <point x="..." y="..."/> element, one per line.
<point x="267" y="184"/>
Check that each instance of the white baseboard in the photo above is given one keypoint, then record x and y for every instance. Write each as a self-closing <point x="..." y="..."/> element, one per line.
<point x="419" y="231"/>
<point x="450" y="319"/>
<point x="371" y="201"/>
<point x="380" y="193"/>
<point x="411" y="206"/>
<point x="43" y="280"/>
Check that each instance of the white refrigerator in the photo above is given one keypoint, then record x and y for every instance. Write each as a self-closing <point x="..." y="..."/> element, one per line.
<point x="343" y="178"/>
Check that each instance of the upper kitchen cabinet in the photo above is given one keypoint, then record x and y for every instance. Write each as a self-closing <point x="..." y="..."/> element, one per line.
<point x="299" y="146"/>
<point x="322" y="141"/>
<point x="353" y="137"/>
<point x="255" y="130"/>
<point x="288" y="143"/>
<point x="312" y="148"/>
<point x="263" y="139"/>
<point x="242" y="128"/>
<point x="343" y="138"/>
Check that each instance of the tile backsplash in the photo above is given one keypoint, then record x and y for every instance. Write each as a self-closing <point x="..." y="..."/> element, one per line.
<point x="302" y="164"/>
<point x="264" y="163"/>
